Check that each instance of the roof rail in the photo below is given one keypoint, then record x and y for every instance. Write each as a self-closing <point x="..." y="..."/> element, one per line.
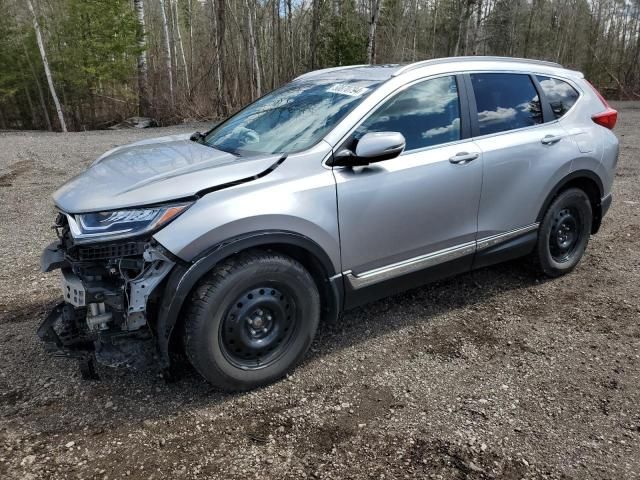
<point x="314" y="73"/>
<point x="438" y="61"/>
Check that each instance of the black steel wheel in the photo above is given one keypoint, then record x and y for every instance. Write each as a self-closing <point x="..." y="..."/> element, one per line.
<point x="251" y="320"/>
<point x="564" y="232"/>
<point x="258" y="326"/>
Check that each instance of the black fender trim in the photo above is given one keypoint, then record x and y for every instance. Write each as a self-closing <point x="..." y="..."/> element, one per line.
<point x="517" y="247"/>
<point x="184" y="277"/>
<point x="578" y="174"/>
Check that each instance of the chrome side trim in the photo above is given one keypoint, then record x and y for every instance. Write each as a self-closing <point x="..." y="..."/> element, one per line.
<point x="421" y="262"/>
<point x="407" y="266"/>
<point x="503" y="237"/>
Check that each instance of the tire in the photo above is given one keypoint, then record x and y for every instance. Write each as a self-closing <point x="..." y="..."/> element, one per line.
<point x="564" y="233"/>
<point x="251" y="320"/>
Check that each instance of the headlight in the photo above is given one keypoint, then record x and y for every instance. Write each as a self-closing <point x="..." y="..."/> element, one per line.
<point x="113" y="225"/>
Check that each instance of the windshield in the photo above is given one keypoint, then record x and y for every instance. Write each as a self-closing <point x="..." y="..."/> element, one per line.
<point x="290" y="119"/>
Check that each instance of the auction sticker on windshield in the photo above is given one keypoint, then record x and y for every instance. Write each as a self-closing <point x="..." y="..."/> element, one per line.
<point x="347" y="89"/>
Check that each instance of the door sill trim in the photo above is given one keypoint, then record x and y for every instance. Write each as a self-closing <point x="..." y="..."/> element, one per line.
<point x="487" y="242"/>
<point x="388" y="272"/>
<point x="407" y="266"/>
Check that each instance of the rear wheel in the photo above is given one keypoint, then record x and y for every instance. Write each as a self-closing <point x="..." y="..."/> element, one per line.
<point x="564" y="232"/>
<point x="251" y="320"/>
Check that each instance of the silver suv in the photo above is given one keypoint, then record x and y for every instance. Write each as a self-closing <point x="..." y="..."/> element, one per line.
<point x="346" y="185"/>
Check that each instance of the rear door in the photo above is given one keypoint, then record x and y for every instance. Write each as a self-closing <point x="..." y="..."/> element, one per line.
<point x="522" y="154"/>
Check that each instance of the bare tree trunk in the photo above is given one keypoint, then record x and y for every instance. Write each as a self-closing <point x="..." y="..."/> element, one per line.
<point x="512" y="33"/>
<point x="184" y="58"/>
<point x="190" y="5"/>
<point x="315" y="24"/>
<point x="143" y="91"/>
<point x="47" y="72"/>
<point x="476" y="30"/>
<point x="375" y="6"/>
<point x="415" y="31"/>
<point x="435" y="25"/>
<point x="463" y="25"/>
<point x="169" y="62"/>
<point x="527" y="37"/>
<point x="291" y="53"/>
<point x="220" y="58"/>
<point x="253" y="50"/>
<point x="275" y="42"/>
<point x="43" y="103"/>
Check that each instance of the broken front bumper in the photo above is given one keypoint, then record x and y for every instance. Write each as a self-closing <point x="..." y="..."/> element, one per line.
<point x="69" y="347"/>
<point x="108" y="312"/>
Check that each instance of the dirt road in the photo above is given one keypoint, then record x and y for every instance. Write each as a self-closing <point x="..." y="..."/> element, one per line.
<point x="499" y="374"/>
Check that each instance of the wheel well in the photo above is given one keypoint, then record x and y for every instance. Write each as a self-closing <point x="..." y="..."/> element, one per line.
<point x="330" y="294"/>
<point x="592" y="190"/>
<point x="317" y="270"/>
<point x="588" y="186"/>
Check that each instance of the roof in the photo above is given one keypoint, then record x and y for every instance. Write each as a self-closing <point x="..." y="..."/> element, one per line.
<point x="353" y="72"/>
<point x="447" y="60"/>
<point x="384" y="72"/>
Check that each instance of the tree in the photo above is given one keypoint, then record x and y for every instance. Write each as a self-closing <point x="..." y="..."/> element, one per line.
<point x="253" y="50"/>
<point x="375" y="6"/>
<point x="169" y="61"/>
<point x="45" y="63"/>
<point x="110" y="59"/>
<point x="184" y="58"/>
<point x="143" y="94"/>
<point x="316" y="6"/>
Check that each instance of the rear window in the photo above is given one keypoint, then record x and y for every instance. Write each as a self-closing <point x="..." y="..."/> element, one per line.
<point x="505" y="101"/>
<point x="560" y="95"/>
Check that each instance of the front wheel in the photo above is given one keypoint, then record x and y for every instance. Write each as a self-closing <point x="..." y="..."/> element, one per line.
<point x="564" y="232"/>
<point x="251" y="320"/>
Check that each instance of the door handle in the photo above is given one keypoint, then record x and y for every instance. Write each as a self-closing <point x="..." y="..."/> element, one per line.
<point x="551" y="139"/>
<point x="463" y="157"/>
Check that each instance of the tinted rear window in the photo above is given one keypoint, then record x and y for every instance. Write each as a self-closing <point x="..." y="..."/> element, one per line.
<point x="505" y="101"/>
<point x="560" y="95"/>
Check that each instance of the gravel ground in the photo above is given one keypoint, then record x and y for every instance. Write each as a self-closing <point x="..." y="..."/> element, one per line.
<point x="499" y="374"/>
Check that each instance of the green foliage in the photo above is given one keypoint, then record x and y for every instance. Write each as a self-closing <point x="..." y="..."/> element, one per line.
<point x="99" y="44"/>
<point x="9" y="55"/>
<point x="92" y="48"/>
<point x="345" y="40"/>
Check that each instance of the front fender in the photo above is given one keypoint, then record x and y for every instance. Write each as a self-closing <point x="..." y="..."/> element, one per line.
<point x="185" y="276"/>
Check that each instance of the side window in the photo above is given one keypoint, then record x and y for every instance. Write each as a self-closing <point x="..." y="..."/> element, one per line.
<point x="561" y="95"/>
<point x="427" y="113"/>
<point x="505" y="101"/>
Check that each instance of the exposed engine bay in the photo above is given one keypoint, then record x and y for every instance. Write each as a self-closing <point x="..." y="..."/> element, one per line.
<point x="110" y="299"/>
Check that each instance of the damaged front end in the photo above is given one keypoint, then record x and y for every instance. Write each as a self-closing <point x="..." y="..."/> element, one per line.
<point x="110" y="291"/>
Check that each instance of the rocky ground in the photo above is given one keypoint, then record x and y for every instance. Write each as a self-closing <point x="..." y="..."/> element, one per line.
<point x="499" y="374"/>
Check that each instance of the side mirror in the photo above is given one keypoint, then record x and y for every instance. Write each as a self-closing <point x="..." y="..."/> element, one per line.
<point x="372" y="147"/>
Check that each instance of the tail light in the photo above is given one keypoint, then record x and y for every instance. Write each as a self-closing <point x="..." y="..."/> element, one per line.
<point x="609" y="117"/>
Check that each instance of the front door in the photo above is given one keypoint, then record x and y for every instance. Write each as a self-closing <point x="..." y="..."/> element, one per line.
<point x="399" y="217"/>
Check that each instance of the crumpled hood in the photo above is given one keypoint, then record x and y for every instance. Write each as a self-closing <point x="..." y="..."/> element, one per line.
<point x="154" y="171"/>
